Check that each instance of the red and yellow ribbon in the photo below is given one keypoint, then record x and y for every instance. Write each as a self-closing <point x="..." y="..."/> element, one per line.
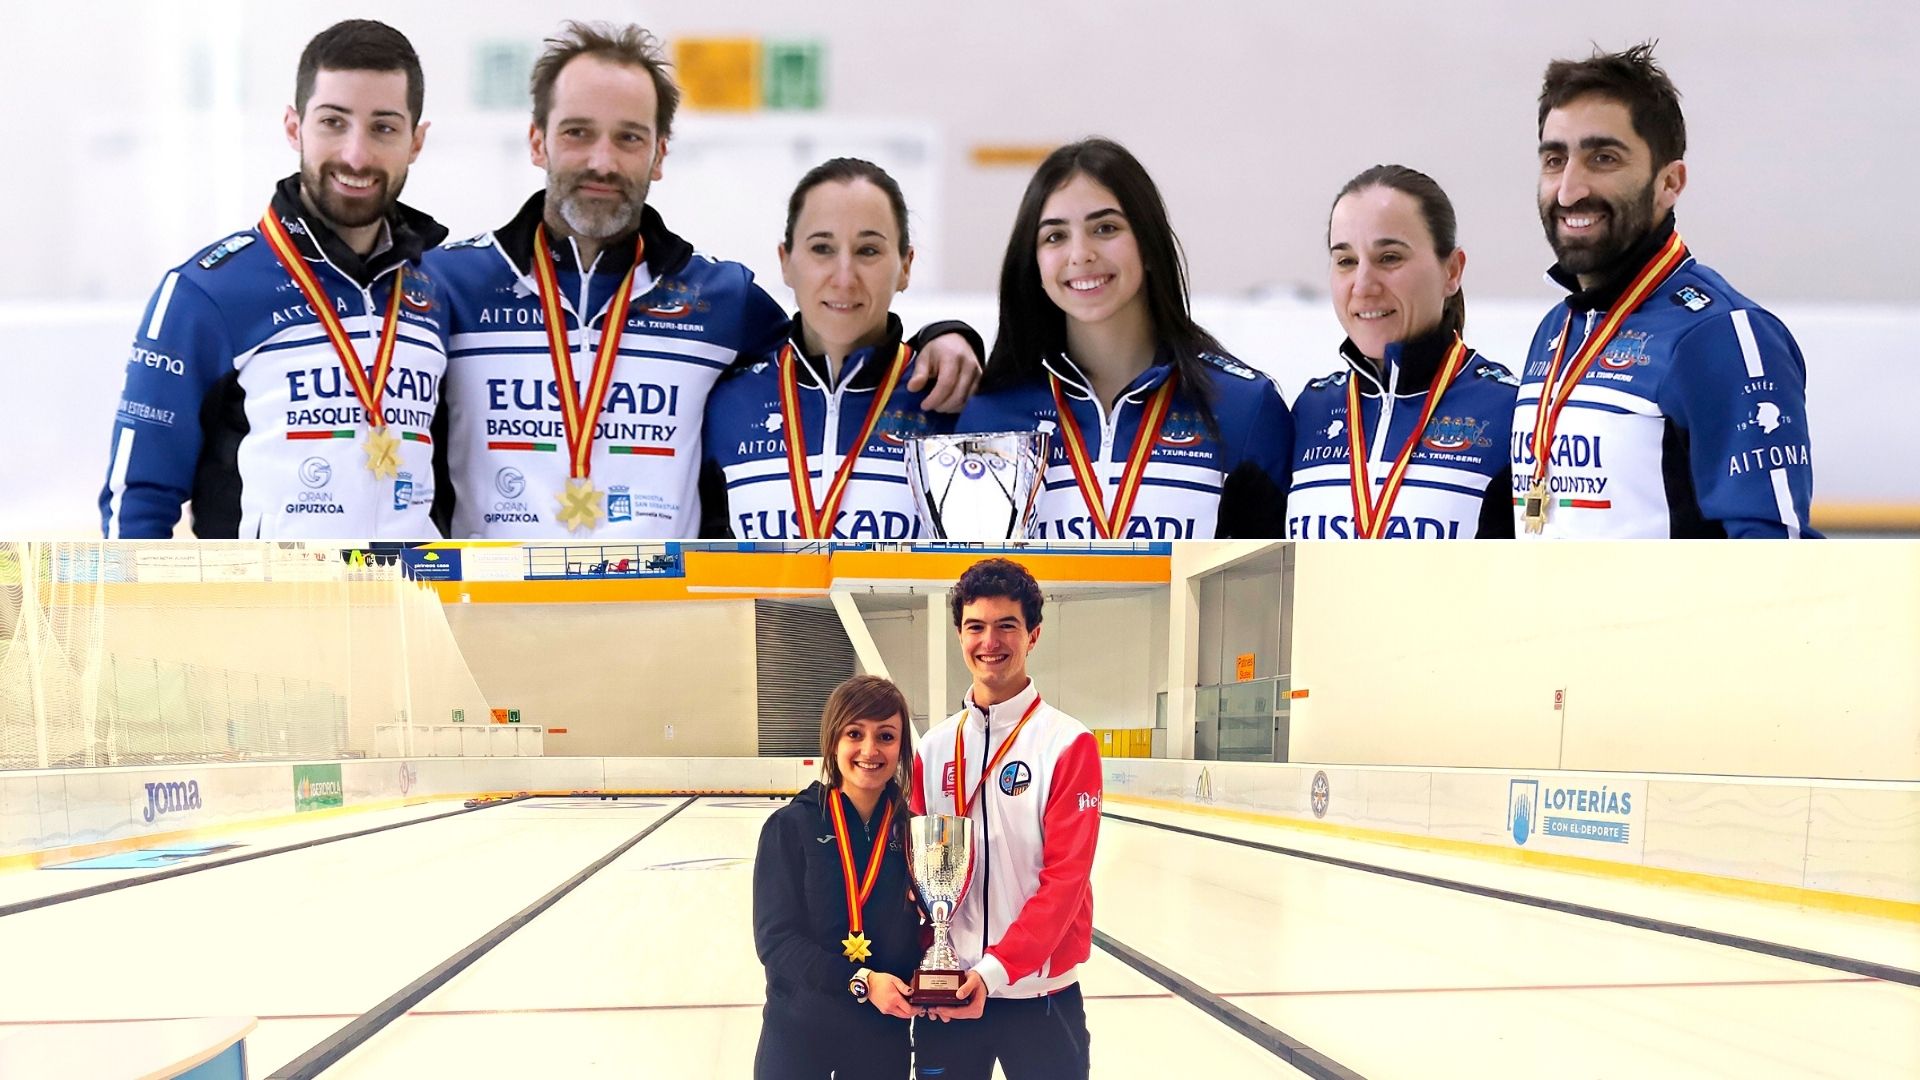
<point x="1111" y="524"/>
<point x="1370" y="517"/>
<point x="816" y="522"/>
<point x="856" y="942"/>
<point x="578" y="416"/>
<point x="961" y="797"/>
<point x="1554" y="395"/>
<point x="367" y="388"/>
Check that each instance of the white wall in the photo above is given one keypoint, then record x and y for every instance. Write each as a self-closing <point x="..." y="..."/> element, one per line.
<point x="160" y="121"/>
<point x="616" y="675"/>
<point x="1101" y="661"/>
<point x="1769" y="660"/>
<point x="902" y="640"/>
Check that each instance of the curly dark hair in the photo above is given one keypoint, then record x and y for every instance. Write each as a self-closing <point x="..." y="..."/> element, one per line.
<point x="998" y="577"/>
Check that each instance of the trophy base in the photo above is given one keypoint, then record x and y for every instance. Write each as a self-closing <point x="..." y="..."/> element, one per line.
<point x="936" y="988"/>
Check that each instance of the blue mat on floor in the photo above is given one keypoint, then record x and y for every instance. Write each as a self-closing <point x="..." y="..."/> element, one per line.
<point x="147" y="858"/>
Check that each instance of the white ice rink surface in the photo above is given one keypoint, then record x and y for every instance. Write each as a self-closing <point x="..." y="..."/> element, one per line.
<point x="647" y="969"/>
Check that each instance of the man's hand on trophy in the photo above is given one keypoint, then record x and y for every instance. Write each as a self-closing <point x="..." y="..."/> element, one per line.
<point x="888" y="993"/>
<point x="975" y="991"/>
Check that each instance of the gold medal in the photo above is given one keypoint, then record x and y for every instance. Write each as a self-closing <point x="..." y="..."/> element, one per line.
<point x="855" y="944"/>
<point x="1536" y="508"/>
<point x="579" y="505"/>
<point x="856" y="947"/>
<point x="383" y="449"/>
<point x="383" y="453"/>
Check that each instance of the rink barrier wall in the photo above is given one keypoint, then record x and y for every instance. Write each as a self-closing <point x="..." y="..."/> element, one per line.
<point x="1839" y="845"/>
<point x="1843" y="845"/>
<point x="63" y="815"/>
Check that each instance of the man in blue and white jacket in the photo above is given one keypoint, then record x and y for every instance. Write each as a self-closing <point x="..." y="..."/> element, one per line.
<point x="1688" y="418"/>
<point x="237" y="402"/>
<point x="603" y="107"/>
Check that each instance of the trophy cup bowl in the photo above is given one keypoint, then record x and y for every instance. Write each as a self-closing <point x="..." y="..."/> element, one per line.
<point x="940" y="860"/>
<point x="977" y="487"/>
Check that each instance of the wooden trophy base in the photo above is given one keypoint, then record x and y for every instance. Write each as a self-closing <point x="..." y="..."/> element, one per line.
<point x="936" y="988"/>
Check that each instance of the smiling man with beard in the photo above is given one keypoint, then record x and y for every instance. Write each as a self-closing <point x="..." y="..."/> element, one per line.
<point x="586" y="335"/>
<point x="285" y="380"/>
<point x="1656" y="400"/>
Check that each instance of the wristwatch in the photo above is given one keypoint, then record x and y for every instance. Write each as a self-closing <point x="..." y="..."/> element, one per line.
<point x="857" y="986"/>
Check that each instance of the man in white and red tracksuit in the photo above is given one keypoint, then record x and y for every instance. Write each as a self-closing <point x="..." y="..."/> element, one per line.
<point x="1028" y="776"/>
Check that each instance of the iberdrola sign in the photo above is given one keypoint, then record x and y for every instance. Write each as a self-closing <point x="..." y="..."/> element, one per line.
<point x="317" y="787"/>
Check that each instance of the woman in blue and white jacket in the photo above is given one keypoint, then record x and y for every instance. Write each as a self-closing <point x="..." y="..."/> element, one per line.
<point x="809" y="442"/>
<point x="1157" y="432"/>
<point x="1409" y="439"/>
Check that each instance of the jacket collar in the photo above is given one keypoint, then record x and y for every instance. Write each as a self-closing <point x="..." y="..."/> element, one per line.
<point x="1409" y="366"/>
<point x="1003" y="716"/>
<point x="666" y="252"/>
<point x="862" y="370"/>
<point x="409" y="234"/>
<point x="817" y="794"/>
<point x="1078" y="385"/>
<point x="1618" y="276"/>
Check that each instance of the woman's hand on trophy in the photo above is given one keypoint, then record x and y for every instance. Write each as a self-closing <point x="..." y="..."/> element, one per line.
<point x="974" y="990"/>
<point x="889" y="994"/>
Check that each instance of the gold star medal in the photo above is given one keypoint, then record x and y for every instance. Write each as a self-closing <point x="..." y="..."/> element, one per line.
<point x="383" y="453"/>
<point x="580" y="505"/>
<point x="855" y="945"/>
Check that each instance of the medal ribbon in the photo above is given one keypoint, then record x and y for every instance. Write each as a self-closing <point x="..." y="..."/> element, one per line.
<point x="1370" y="517"/>
<point x="1111" y="524"/>
<point x="816" y="523"/>
<point x="1554" y="397"/>
<point x="857" y="893"/>
<point x="961" y="797"/>
<point x="578" y="417"/>
<point x="368" y="389"/>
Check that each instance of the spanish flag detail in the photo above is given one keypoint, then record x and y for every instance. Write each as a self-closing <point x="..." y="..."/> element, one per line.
<point x="855" y="945"/>
<point x="1111" y="523"/>
<point x="577" y="415"/>
<point x="1370" y="516"/>
<point x="816" y="522"/>
<point x="962" y="799"/>
<point x="1559" y="386"/>
<point x="382" y="448"/>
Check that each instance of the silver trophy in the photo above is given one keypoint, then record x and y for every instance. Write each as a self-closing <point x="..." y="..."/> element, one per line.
<point x="978" y="487"/>
<point x="940" y="859"/>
